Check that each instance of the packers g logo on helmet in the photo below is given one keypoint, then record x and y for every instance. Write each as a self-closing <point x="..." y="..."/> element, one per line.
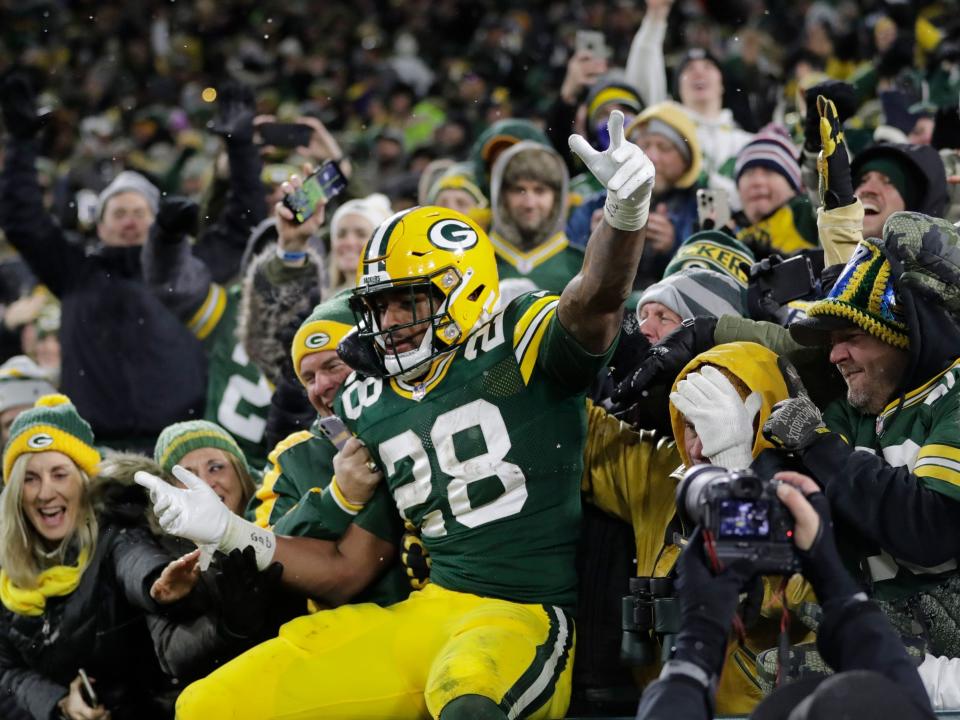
<point x="437" y="253"/>
<point x="452" y="235"/>
<point x="40" y="441"/>
<point x="317" y="340"/>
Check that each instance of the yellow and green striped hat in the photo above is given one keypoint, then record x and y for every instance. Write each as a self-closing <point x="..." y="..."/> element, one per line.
<point x="183" y="437"/>
<point x="863" y="296"/>
<point x="53" y="423"/>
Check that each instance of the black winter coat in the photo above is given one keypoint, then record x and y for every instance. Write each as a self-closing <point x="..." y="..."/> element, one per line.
<point x="100" y="627"/>
<point x="129" y="364"/>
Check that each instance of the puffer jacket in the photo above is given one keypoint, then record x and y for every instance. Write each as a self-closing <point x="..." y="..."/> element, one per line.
<point x="100" y="627"/>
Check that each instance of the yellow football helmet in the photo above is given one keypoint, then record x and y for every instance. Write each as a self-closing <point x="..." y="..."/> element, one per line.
<point x="445" y="256"/>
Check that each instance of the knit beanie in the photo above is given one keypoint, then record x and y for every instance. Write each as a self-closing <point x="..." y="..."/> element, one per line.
<point x="696" y="292"/>
<point x="607" y="91"/>
<point x="770" y="148"/>
<point x="52" y="424"/>
<point x="863" y="296"/>
<point x="22" y="382"/>
<point x="326" y="326"/>
<point x="896" y="173"/>
<point x="129" y="181"/>
<point x="457" y="177"/>
<point x="374" y="208"/>
<point x="714" y="250"/>
<point x="183" y="437"/>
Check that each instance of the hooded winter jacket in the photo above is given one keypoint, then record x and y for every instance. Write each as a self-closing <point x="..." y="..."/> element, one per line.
<point x="633" y="476"/>
<point x="549" y="261"/>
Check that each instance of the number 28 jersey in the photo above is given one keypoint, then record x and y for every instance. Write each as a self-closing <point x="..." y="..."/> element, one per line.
<point x="484" y="453"/>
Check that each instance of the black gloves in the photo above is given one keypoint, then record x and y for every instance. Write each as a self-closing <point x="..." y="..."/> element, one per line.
<point x="833" y="163"/>
<point x="793" y="423"/>
<point x="246" y="594"/>
<point x="667" y="358"/>
<point x="177" y="216"/>
<point x="18" y="103"/>
<point x="844" y="97"/>
<point x="237" y="107"/>
<point x="632" y="347"/>
<point x="708" y="603"/>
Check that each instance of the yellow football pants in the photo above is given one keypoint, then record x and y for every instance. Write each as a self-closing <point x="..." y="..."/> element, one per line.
<point x="404" y="661"/>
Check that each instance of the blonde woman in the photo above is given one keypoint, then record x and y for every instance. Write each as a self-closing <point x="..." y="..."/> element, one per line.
<point x="78" y="564"/>
<point x="352" y="226"/>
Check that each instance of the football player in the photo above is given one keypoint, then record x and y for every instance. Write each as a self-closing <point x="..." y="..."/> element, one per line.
<point x="478" y="419"/>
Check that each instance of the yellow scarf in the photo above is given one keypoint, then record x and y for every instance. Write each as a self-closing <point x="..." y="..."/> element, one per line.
<point x="53" y="582"/>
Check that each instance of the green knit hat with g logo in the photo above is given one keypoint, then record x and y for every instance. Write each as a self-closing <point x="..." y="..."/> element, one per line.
<point x="53" y="423"/>
<point x="327" y="325"/>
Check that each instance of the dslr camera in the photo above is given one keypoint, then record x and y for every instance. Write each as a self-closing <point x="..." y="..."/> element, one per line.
<point x="744" y="515"/>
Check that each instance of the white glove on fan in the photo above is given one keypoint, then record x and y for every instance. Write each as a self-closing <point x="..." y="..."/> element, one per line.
<point x="197" y="514"/>
<point x="721" y="418"/>
<point x="625" y="171"/>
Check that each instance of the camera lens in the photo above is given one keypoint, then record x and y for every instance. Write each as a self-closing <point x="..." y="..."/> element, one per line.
<point x="691" y="492"/>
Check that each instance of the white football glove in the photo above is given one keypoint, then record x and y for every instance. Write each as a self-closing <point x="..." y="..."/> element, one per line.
<point x="721" y="418"/>
<point x="625" y="171"/>
<point x="197" y="514"/>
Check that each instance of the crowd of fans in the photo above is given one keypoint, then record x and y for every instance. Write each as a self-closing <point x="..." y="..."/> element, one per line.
<point x="167" y="322"/>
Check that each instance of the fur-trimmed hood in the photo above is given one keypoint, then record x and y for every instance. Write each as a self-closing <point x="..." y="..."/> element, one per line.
<point x="274" y="296"/>
<point x="115" y="496"/>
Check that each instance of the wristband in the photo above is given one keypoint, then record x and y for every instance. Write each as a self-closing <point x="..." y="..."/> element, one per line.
<point x="346" y="505"/>
<point x="241" y="534"/>
<point x="292" y="257"/>
<point x="625" y="217"/>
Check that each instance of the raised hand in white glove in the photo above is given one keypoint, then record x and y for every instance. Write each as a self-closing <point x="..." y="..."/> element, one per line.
<point x="624" y="170"/>
<point x="196" y="513"/>
<point x="721" y="418"/>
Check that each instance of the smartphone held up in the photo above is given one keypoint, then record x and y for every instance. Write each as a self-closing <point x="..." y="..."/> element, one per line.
<point x="324" y="184"/>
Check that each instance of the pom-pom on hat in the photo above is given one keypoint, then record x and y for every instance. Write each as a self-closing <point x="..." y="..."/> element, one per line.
<point x="52" y="424"/>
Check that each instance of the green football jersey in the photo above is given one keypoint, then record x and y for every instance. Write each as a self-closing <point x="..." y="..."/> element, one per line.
<point x="299" y="500"/>
<point x="238" y="395"/>
<point x="549" y="266"/>
<point x="484" y="453"/>
<point x="922" y="436"/>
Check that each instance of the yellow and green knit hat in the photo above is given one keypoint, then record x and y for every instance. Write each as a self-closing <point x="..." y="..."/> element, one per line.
<point x="183" y="437"/>
<point x="863" y="296"/>
<point x="327" y="325"/>
<point x="53" y="423"/>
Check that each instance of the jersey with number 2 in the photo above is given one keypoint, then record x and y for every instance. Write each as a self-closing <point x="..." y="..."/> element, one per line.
<point x="484" y="453"/>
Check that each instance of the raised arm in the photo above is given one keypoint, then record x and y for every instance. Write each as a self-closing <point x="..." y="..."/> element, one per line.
<point x="591" y="306"/>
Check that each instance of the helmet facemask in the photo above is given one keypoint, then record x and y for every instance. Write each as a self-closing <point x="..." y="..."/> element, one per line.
<point x="442" y="333"/>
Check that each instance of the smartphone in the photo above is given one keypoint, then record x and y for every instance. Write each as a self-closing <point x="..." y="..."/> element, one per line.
<point x="325" y="183"/>
<point x="287" y="135"/>
<point x="593" y="42"/>
<point x="334" y="429"/>
<point x="86" y="690"/>
<point x="713" y="208"/>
